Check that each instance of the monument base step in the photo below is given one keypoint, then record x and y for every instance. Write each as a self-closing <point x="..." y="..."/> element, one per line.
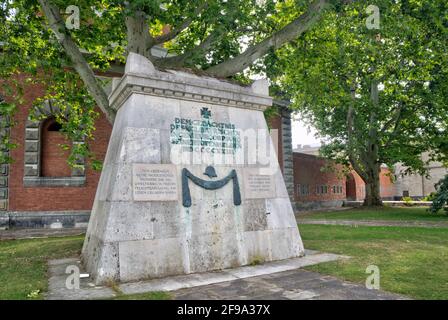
<point x="87" y="290"/>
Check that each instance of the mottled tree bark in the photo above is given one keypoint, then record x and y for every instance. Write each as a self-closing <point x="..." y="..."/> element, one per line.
<point x="79" y="62"/>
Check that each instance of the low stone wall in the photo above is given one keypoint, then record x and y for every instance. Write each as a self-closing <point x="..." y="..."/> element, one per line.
<point x="44" y="219"/>
<point x="317" y="205"/>
<point x="392" y="203"/>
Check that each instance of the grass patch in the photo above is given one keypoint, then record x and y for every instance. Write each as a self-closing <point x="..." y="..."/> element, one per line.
<point x="153" y="295"/>
<point x="23" y="268"/>
<point x="23" y="264"/>
<point x="412" y="261"/>
<point x="384" y="213"/>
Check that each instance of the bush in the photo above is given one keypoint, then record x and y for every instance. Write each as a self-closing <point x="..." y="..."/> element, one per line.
<point x="429" y="197"/>
<point x="407" y="201"/>
<point x="441" y="196"/>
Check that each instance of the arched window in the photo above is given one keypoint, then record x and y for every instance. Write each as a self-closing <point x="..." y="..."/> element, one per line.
<point x="53" y="158"/>
<point x="45" y="162"/>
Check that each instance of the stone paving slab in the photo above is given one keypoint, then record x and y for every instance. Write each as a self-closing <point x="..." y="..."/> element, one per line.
<point x="375" y="223"/>
<point x="289" y="285"/>
<point x="58" y="290"/>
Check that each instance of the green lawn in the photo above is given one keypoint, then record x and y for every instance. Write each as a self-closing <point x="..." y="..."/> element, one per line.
<point x="385" y="213"/>
<point x="412" y="261"/>
<point x="23" y="267"/>
<point x="23" y="264"/>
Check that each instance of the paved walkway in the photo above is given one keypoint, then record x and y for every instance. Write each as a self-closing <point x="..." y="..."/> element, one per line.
<point x="375" y="223"/>
<point x="274" y="280"/>
<point x="289" y="285"/>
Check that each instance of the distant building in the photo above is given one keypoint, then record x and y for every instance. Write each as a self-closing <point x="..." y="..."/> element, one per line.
<point x="307" y="149"/>
<point x="418" y="186"/>
<point x="314" y="187"/>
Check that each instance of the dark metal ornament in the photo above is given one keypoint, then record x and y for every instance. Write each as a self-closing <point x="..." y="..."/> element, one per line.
<point x="210" y="172"/>
<point x="209" y="185"/>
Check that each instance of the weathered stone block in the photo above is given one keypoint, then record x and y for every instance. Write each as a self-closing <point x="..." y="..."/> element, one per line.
<point x="4" y="218"/>
<point x="3" y="193"/>
<point x="3" y="181"/>
<point x="31" y="157"/>
<point x="214" y="251"/>
<point x="32" y="134"/>
<point x="78" y="172"/>
<point x="140" y="145"/>
<point x="32" y="124"/>
<point x="255" y="215"/>
<point x="31" y="146"/>
<point x="281" y="214"/>
<point x="4" y="169"/>
<point x="211" y="216"/>
<point x="143" y="221"/>
<point x="150" y="258"/>
<point x="3" y="204"/>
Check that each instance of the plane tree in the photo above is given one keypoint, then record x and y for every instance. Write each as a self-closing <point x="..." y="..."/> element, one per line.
<point x="43" y="41"/>
<point x="376" y="95"/>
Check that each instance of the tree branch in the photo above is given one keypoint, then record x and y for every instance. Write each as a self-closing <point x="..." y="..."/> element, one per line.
<point x="373" y="133"/>
<point x="181" y="60"/>
<point x="350" y="151"/>
<point x="181" y="27"/>
<point x="394" y="120"/>
<point x="396" y="126"/>
<point x="79" y="63"/>
<point x="275" y="41"/>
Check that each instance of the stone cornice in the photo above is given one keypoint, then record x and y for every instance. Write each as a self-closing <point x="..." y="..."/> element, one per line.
<point x="183" y="86"/>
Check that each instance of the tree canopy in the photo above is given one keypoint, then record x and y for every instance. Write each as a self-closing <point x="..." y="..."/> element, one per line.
<point x="376" y="95"/>
<point x="221" y="37"/>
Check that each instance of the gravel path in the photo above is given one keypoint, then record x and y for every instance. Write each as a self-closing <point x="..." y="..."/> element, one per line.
<point x="376" y="223"/>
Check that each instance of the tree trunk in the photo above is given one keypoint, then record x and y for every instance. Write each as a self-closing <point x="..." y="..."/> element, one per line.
<point x="138" y="34"/>
<point x="371" y="163"/>
<point x="373" y="197"/>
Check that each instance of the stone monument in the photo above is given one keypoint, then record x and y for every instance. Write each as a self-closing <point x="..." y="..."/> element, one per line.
<point x="190" y="182"/>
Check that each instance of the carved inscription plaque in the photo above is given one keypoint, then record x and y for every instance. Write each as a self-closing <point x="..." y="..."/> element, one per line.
<point x="154" y="182"/>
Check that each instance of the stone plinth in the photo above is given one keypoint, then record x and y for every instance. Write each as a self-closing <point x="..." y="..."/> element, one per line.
<point x="190" y="182"/>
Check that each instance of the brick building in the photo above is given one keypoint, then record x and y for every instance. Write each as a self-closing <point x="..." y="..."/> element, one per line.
<point x="319" y="185"/>
<point x="38" y="187"/>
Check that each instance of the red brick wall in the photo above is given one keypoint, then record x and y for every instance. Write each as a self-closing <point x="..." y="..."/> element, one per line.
<point x="359" y="185"/>
<point x="51" y="198"/>
<point x="53" y="157"/>
<point x="387" y="188"/>
<point x="307" y="171"/>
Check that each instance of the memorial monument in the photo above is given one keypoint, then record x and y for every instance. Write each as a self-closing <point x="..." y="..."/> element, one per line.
<point x="190" y="182"/>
